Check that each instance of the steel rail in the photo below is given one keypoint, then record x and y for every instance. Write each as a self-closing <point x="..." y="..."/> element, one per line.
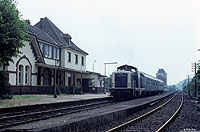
<point x="140" y="117"/>
<point x="50" y="111"/>
<point x="172" y="117"/>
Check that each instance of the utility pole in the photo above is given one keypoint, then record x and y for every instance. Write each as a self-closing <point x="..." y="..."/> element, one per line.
<point x="188" y="87"/>
<point x="195" y="80"/>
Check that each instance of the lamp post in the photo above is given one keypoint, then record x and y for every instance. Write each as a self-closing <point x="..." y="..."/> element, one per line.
<point x="105" y="73"/>
<point x="93" y="64"/>
<point x="55" y="95"/>
<point x="81" y="81"/>
<point x="107" y="64"/>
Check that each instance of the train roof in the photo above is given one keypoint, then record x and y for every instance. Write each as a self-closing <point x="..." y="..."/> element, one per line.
<point x="151" y="77"/>
<point x="126" y="68"/>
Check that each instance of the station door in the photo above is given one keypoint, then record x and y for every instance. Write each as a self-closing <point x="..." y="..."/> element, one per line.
<point x="85" y="85"/>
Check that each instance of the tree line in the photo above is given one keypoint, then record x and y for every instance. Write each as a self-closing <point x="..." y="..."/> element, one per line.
<point x="192" y="88"/>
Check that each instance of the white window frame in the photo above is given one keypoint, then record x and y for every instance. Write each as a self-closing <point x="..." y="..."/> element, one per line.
<point x="53" y="52"/>
<point x="48" y="50"/>
<point x="45" y="50"/>
<point x="41" y="47"/>
<point x="20" y="74"/>
<point x="27" y="75"/>
<point x="82" y="60"/>
<point x="76" y="58"/>
<point x="58" y="52"/>
<point x="69" y="56"/>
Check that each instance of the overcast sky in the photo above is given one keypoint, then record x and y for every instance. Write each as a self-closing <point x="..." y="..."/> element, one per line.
<point x="148" y="34"/>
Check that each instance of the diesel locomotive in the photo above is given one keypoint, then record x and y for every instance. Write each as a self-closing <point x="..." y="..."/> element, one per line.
<point x="128" y="82"/>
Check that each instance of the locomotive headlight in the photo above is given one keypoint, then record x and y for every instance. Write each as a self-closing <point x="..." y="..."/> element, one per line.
<point x="112" y="84"/>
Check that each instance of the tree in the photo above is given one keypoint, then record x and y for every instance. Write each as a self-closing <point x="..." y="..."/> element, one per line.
<point x="12" y="31"/>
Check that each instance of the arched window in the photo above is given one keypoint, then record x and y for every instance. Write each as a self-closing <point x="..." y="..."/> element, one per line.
<point x="27" y="75"/>
<point x="20" y="74"/>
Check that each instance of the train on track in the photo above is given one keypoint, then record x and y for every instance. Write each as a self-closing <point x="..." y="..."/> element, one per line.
<point x="128" y="82"/>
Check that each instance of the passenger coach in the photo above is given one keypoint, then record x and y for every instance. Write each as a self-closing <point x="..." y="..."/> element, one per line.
<point x="128" y="82"/>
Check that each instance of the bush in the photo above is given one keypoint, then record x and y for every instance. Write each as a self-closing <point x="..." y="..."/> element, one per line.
<point x="71" y="91"/>
<point x="51" y="90"/>
<point x="64" y="89"/>
<point x="67" y="90"/>
<point x="6" y="96"/>
<point x="78" y="90"/>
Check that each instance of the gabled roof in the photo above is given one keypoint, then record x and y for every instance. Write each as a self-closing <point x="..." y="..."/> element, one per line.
<point x="74" y="47"/>
<point x="41" y="34"/>
<point x="57" y="35"/>
<point x="46" y="25"/>
<point x="36" y="49"/>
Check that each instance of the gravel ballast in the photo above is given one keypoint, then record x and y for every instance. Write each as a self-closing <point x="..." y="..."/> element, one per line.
<point x="83" y="120"/>
<point x="110" y="125"/>
<point x="188" y="120"/>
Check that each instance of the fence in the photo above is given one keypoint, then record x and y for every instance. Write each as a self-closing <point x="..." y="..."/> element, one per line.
<point x="50" y="90"/>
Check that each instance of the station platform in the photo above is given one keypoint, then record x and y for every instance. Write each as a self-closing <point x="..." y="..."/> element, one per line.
<point x="23" y="100"/>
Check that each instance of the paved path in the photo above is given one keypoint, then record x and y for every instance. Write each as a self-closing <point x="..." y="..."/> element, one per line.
<point x="41" y="99"/>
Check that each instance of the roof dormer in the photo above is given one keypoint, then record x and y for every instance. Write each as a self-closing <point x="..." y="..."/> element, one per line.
<point x="67" y="38"/>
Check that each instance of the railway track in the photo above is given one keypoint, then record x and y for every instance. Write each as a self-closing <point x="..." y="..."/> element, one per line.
<point x="42" y="107"/>
<point x="14" y="119"/>
<point x="155" y="120"/>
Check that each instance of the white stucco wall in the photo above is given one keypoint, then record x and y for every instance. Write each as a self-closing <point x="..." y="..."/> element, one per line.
<point x="91" y="76"/>
<point x="63" y="57"/>
<point x="51" y="62"/>
<point x="12" y="79"/>
<point x="72" y="65"/>
<point x="27" y="52"/>
<point x="96" y="79"/>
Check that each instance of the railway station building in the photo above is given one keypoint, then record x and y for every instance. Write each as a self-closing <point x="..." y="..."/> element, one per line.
<point x="33" y="72"/>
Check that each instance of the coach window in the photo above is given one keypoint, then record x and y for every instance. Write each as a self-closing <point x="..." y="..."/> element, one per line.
<point x="20" y="75"/>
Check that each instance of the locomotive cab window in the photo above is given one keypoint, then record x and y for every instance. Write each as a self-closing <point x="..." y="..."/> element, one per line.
<point x="121" y="80"/>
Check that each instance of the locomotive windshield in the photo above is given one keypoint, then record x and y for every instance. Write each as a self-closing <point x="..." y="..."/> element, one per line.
<point x="121" y="80"/>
